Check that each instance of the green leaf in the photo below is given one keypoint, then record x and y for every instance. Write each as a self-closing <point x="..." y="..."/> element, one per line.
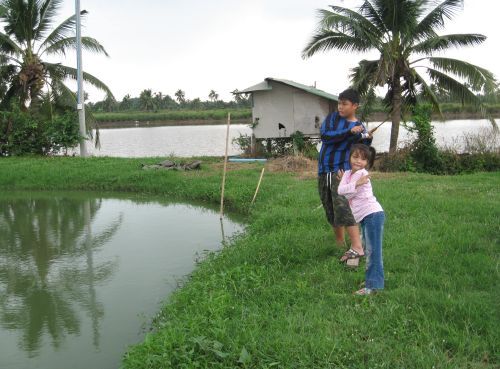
<point x="245" y="357"/>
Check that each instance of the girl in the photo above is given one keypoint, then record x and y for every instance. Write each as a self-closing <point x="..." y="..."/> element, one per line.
<point x="356" y="187"/>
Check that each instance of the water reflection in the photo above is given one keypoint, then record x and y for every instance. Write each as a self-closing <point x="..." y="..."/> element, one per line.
<point x="80" y="275"/>
<point x="47" y="268"/>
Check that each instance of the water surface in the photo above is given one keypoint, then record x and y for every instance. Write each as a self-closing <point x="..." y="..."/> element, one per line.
<point x="82" y="275"/>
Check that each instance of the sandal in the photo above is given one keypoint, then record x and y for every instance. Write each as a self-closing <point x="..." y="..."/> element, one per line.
<point x="351" y="258"/>
<point x="365" y="292"/>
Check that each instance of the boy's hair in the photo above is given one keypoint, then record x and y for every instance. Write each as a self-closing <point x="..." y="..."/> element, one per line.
<point x="366" y="152"/>
<point x="350" y="94"/>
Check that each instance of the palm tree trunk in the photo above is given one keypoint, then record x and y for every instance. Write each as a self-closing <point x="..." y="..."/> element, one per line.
<point x="396" y="114"/>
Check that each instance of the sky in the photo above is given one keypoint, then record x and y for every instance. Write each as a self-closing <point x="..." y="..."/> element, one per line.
<point x="199" y="45"/>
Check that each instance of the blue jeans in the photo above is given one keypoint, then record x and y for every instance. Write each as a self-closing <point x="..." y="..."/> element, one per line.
<point x="372" y="230"/>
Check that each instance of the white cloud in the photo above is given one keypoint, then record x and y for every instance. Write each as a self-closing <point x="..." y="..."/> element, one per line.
<point x="222" y="45"/>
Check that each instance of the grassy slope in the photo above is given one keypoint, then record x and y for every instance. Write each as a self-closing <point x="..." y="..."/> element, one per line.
<point x="277" y="296"/>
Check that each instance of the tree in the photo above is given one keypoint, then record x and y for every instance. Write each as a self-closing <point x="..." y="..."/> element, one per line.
<point x="147" y="100"/>
<point x="28" y="37"/>
<point x="214" y="96"/>
<point x="400" y="30"/>
<point x="180" y="96"/>
<point x="126" y="104"/>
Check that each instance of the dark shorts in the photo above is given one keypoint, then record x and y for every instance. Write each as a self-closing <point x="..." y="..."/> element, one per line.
<point x="338" y="212"/>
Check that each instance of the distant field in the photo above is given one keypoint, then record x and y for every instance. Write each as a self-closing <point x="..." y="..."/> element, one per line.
<point x="173" y="115"/>
<point x="218" y="116"/>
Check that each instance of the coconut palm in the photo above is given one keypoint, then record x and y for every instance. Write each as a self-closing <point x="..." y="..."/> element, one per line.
<point x="180" y="96"/>
<point x="214" y="96"/>
<point x="146" y="100"/>
<point x="28" y="38"/>
<point x="404" y="33"/>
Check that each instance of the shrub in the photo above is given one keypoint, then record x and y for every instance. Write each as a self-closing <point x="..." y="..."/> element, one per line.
<point x="423" y="150"/>
<point x="22" y="133"/>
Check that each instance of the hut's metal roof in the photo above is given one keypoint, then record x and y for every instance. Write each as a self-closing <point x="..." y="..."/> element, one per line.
<point x="265" y="86"/>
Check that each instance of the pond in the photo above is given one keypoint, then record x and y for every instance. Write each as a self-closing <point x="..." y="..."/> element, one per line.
<point x="210" y="140"/>
<point x="82" y="275"/>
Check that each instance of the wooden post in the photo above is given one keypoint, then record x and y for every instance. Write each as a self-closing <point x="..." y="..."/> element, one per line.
<point x="258" y="185"/>
<point x="225" y="168"/>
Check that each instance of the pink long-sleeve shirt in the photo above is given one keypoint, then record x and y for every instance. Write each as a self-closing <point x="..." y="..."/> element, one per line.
<point x="361" y="199"/>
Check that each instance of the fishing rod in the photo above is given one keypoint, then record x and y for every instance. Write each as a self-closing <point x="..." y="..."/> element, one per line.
<point x="377" y="127"/>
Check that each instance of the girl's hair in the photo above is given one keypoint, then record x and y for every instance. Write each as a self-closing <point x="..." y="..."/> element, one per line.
<point x="366" y="152"/>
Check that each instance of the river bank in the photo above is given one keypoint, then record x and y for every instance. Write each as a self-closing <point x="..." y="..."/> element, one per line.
<point x="276" y="296"/>
<point x="218" y="117"/>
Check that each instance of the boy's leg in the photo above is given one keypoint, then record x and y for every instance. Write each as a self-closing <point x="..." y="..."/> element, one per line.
<point x="343" y="216"/>
<point x="325" y="195"/>
<point x="339" y="235"/>
<point x="373" y="230"/>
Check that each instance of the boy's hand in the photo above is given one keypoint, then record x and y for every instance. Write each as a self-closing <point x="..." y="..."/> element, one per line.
<point x="357" y="129"/>
<point x="340" y="174"/>
<point x="363" y="180"/>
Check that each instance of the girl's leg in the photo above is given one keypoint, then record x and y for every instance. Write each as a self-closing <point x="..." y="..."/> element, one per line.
<point x="373" y="229"/>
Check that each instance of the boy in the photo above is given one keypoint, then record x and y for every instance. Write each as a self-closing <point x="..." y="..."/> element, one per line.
<point x="339" y="131"/>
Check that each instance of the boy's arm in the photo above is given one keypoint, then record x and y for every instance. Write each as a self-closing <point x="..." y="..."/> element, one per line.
<point x="331" y="136"/>
<point x="349" y="189"/>
<point x="363" y="137"/>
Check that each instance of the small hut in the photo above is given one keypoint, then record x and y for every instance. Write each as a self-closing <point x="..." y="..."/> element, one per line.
<point x="281" y="107"/>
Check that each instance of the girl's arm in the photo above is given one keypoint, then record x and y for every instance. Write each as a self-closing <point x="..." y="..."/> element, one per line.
<point x="348" y="189"/>
<point x="357" y="179"/>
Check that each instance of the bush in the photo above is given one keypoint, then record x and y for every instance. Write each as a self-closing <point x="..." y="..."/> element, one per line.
<point x="22" y="133"/>
<point x="400" y="161"/>
<point x="451" y="162"/>
<point x="482" y="151"/>
<point x="423" y="150"/>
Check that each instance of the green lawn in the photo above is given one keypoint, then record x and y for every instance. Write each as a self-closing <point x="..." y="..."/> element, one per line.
<point x="276" y="297"/>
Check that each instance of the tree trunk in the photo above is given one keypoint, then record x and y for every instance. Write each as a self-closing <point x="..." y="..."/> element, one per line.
<point x="396" y="114"/>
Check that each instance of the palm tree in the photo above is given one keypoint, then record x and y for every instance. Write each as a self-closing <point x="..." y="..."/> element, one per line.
<point x="400" y="30"/>
<point x="180" y="96"/>
<point x="29" y="37"/>
<point x="146" y="100"/>
<point x="213" y="95"/>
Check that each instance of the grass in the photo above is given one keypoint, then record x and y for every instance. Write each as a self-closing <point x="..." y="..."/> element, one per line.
<point x="173" y="115"/>
<point x="276" y="297"/>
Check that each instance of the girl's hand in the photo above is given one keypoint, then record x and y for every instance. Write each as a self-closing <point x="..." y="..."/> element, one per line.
<point x="363" y="180"/>
<point x="340" y="174"/>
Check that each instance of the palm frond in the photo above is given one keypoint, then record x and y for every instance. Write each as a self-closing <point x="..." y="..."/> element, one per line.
<point x="363" y="76"/>
<point x="7" y="45"/>
<point x="369" y="98"/>
<point x="478" y="78"/>
<point x="435" y="19"/>
<point x="373" y="16"/>
<point x="349" y="22"/>
<point x="428" y="94"/>
<point x="48" y="11"/>
<point x="454" y="87"/>
<point x="325" y="40"/>
<point x="59" y="71"/>
<point x="459" y="90"/>
<point x="440" y="43"/>
<point x="400" y="17"/>
<point x="62" y="31"/>
<point x="88" y="43"/>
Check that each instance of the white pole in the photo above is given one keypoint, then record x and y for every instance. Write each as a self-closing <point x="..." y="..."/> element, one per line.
<point x="225" y="168"/>
<point x="80" y="99"/>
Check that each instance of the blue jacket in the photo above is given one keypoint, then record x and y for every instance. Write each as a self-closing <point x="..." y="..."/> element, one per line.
<point x="337" y="139"/>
